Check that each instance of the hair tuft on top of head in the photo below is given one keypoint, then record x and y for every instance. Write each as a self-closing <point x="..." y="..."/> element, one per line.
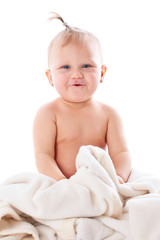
<point x="57" y="16"/>
<point x="70" y="35"/>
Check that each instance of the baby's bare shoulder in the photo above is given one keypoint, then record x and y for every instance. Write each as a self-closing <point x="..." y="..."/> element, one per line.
<point x="114" y="117"/>
<point x="47" y="111"/>
<point x="109" y="113"/>
<point x="107" y="109"/>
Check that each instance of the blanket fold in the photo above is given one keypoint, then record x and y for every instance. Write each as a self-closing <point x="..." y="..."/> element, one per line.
<point x="90" y="205"/>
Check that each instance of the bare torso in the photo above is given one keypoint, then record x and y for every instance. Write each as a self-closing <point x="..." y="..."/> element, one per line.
<point x="76" y="127"/>
<point x="61" y="128"/>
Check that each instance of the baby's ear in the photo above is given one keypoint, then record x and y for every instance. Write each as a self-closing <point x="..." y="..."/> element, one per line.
<point x="49" y="76"/>
<point x="103" y="72"/>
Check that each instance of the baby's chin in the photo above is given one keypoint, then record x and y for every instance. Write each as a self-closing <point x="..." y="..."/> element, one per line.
<point x="80" y="96"/>
<point x="78" y="100"/>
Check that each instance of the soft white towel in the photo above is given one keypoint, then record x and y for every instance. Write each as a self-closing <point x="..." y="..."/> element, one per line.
<point x="91" y="205"/>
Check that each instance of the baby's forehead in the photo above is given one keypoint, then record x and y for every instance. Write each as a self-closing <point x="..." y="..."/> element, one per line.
<point x="87" y="50"/>
<point x="78" y="50"/>
<point x="80" y="39"/>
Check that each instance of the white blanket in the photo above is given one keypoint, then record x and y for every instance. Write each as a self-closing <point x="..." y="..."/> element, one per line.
<point x="91" y="205"/>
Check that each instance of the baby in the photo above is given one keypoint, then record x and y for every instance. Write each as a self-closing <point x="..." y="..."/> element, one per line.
<point x="74" y="119"/>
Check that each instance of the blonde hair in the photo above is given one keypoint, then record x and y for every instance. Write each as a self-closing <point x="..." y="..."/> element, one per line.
<point x="71" y="35"/>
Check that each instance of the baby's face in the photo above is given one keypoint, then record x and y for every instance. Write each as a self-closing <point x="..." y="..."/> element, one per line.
<point x="76" y="71"/>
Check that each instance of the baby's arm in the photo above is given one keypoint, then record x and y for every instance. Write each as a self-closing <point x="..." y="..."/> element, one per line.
<point x="117" y="147"/>
<point x="44" y="135"/>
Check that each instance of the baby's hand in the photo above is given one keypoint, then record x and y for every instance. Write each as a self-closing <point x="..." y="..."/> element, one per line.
<point x="121" y="181"/>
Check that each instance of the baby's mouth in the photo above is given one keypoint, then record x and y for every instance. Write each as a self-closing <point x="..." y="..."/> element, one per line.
<point x="77" y="84"/>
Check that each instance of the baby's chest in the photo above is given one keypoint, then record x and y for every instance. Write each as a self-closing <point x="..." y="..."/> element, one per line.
<point x="85" y="129"/>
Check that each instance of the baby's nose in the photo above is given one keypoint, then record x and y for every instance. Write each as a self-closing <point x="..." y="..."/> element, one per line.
<point x="76" y="74"/>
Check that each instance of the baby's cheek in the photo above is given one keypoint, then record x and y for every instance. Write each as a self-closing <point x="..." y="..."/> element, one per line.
<point x="59" y="81"/>
<point x="95" y="79"/>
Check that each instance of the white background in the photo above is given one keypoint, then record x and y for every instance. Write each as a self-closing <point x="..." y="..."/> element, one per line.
<point x="130" y="35"/>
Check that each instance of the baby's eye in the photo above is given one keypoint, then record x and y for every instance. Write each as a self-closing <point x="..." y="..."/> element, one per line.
<point x="86" y="66"/>
<point x="66" y="67"/>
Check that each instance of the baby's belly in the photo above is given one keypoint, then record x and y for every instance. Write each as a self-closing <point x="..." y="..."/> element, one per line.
<point x="66" y="157"/>
<point x="66" y="162"/>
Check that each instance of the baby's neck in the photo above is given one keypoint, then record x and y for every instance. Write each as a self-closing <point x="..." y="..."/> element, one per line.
<point x="76" y="105"/>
